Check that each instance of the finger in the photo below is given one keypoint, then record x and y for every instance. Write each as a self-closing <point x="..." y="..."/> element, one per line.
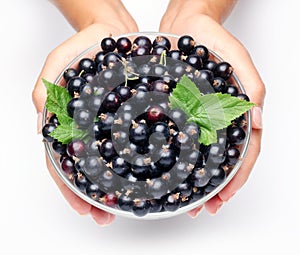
<point x="195" y="212"/>
<point x="236" y="54"/>
<point x="216" y="38"/>
<point x="75" y="202"/>
<point x="243" y="173"/>
<point x="213" y="205"/>
<point x="101" y="217"/>
<point x="83" y="208"/>
<point x="257" y="118"/>
<point x="63" y="55"/>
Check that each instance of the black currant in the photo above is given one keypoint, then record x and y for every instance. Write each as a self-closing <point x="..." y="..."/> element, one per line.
<point x="154" y="114"/>
<point x="186" y="44"/>
<point x="205" y="74"/>
<point x="94" y="104"/>
<point x="201" y="51"/>
<point x="158" y="50"/>
<point x="200" y="177"/>
<point x="112" y="101"/>
<point x="231" y="90"/>
<point x="84" y="118"/>
<point x="178" y="117"/>
<point x="232" y="155"/>
<point x="46" y="130"/>
<point x="139" y="133"/>
<point x="160" y="133"/>
<point x="75" y="84"/>
<point x="120" y="166"/>
<point x="172" y="202"/>
<point x="167" y="158"/>
<point x="89" y="77"/>
<point x="195" y="61"/>
<point x="210" y="65"/>
<point x="106" y="120"/>
<point x="161" y="41"/>
<point x="138" y="51"/>
<point x="93" y="191"/>
<point x="236" y="135"/>
<point x="87" y="65"/>
<point x="218" y="175"/>
<point x="157" y="187"/>
<point x="243" y="97"/>
<point x="110" y="199"/>
<point x="174" y="54"/>
<point x="54" y="120"/>
<point x="111" y="59"/>
<point x="141" y="167"/>
<point x="158" y="70"/>
<point x="108" y="181"/>
<point x="59" y="147"/>
<point x="70" y="73"/>
<point x="92" y="148"/>
<point x="76" y="148"/>
<point x="217" y="153"/>
<point x="74" y="105"/>
<point x="68" y="166"/>
<point x="107" y="149"/>
<point x="93" y="167"/>
<point x="123" y="45"/>
<point x="81" y="182"/>
<point x="125" y="202"/>
<point x="219" y="84"/>
<point x="159" y="86"/>
<point x="155" y="205"/>
<point x="124" y="92"/>
<point x="143" y="41"/>
<point x="223" y="70"/>
<point x="108" y="44"/>
<point x="141" y="207"/>
<point x="99" y="57"/>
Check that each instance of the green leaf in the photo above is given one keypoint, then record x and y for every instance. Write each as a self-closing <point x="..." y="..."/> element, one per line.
<point x="56" y="103"/>
<point x="210" y="112"/>
<point x="57" y="100"/>
<point x="65" y="133"/>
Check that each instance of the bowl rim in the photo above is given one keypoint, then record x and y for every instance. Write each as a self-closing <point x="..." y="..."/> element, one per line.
<point x="158" y="215"/>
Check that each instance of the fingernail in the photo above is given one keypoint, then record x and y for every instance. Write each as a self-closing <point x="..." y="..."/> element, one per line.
<point x="227" y="198"/>
<point x="108" y="221"/>
<point x="198" y="212"/>
<point x="195" y="212"/>
<point x="219" y="206"/>
<point x="39" y="122"/>
<point x="217" y="209"/>
<point x="257" y="117"/>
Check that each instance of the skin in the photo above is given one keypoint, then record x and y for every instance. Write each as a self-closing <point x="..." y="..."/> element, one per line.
<point x="181" y="19"/>
<point x="95" y="22"/>
<point x="88" y="32"/>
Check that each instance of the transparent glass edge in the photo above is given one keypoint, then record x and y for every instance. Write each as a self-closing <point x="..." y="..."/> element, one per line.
<point x="160" y="215"/>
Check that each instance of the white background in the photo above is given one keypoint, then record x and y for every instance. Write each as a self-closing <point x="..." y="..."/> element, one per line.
<point x="262" y="217"/>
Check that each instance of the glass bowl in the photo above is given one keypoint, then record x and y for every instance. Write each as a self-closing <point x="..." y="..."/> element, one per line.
<point x="112" y="207"/>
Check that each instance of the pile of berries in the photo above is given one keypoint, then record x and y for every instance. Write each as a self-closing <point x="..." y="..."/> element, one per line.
<point x="139" y="155"/>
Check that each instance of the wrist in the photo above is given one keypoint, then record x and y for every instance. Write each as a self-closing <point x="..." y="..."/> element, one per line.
<point x="81" y="14"/>
<point x="217" y="10"/>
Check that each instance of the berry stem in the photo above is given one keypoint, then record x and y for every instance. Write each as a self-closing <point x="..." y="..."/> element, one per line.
<point x="163" y="58"/>
<point x="127" y="71"/>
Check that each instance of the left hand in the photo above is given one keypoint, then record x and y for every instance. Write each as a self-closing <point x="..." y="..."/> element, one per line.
<point x="205" y="30"/>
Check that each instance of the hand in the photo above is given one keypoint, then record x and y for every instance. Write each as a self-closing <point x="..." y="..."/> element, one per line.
<point x="54" y="64"/>
<point x="207" y="31"/>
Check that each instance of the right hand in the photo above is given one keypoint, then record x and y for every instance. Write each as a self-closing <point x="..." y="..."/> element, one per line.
<point x="54" y="64"/>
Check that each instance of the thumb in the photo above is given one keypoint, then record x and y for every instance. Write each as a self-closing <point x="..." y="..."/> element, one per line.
<point x="49" y="72"/>
<point x="59" y="58"/>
